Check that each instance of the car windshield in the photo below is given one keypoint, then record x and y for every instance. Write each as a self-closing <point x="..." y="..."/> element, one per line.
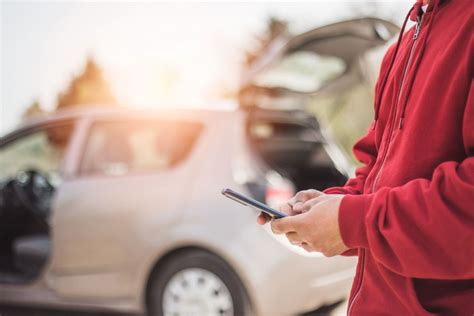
<point x="301" y="71"/>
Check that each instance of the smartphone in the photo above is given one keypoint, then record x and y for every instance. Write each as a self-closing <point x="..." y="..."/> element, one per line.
<point x="252" y="203"/>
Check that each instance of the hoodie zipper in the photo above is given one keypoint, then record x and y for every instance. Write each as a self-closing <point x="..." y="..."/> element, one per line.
<point x="385" y="153"/>
<point x="359" y="284"/>
<point x="393" y="119"/>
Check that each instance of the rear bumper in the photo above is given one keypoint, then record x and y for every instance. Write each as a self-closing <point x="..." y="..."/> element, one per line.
<point x="328" y="289"/>
<point x="294" y="281"/>
<point x="300" y="284"/>
<point x="311" y="294"/>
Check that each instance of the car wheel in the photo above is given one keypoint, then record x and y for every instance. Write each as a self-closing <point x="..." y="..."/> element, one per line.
<point x="196" y="282"/>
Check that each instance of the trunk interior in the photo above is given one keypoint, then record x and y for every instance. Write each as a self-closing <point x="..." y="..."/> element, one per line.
<point x="291" y="142"/>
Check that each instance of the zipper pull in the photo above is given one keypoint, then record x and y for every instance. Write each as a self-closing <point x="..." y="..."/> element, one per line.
<point x="417" y="28"/>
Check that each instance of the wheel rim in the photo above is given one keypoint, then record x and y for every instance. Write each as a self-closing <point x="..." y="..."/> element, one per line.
<point x="195" y="292"/>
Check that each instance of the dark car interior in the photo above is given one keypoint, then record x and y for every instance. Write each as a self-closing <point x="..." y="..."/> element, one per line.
<point x="291" y="142"/>
<point x="29" y="159"/>
<point x="24" y="230"/>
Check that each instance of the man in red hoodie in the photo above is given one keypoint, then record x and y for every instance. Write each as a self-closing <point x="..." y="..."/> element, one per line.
<point x="409" y="212"/>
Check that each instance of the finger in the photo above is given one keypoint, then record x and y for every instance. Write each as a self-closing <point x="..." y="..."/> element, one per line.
<point x="298" y="207"/>
<point x="263" y="218"/>
<point x="293" y="238"/>
<point x="286" y="208"/>
<point x="306" y="206"/>
<point x="303" y="196"/>
<point x="282" y="225"/>
<point x="298" y="197"/>
<point x="306" y="247"/>
<point x="302" y="207"/>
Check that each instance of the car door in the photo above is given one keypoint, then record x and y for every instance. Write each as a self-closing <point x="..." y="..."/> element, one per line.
<point x="131" y="176"/>
<point x="39" y="149"/>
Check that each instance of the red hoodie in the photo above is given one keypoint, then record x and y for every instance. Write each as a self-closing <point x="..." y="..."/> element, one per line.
<point x="409" y="211"/>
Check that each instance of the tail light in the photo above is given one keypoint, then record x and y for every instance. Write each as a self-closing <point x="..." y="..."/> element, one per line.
<point x="279" y="191"/>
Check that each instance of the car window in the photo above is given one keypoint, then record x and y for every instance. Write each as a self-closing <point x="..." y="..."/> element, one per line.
<point x="301" y="71"/>
<point x="41" y="150"/>
<point x="120" y="147"/>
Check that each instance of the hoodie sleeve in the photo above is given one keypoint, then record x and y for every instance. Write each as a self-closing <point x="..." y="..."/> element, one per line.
<point x="436" y="241"/>
<point x="365" y="151"/>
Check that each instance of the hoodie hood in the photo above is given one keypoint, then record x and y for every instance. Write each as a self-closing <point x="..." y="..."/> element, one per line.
<point x="415" y="14"/>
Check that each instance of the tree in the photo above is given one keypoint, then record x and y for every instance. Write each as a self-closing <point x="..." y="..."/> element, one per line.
<point x="86" y="89"/>
<point x="275" y="28"/>
<point x="33" y="110"/>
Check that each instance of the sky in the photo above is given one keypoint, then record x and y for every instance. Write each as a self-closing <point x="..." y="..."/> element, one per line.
<point x="152" y="53"/>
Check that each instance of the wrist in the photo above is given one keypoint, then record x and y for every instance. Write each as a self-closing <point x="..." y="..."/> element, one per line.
<point x="352" y="223"/>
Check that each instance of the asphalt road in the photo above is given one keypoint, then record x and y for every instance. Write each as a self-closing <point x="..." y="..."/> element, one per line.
<point x="17" y="311"/>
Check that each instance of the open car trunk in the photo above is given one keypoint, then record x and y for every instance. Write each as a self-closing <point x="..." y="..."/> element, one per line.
<point x="276" y="86"/>
<point x="322" y="59"/>
<point x="292" y="143"/>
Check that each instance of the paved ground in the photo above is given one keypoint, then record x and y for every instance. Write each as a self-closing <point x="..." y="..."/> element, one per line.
<point x="15" y="311"/>
<point x="341" y="310"/>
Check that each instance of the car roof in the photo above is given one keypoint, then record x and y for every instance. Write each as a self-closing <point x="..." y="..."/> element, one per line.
<point x="226" y="110"/>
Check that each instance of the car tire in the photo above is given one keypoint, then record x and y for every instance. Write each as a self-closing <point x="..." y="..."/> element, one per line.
<point x="189" y="261"/>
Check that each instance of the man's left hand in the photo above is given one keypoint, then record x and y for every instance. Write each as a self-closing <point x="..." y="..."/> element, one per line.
<point x="317" y="228"/>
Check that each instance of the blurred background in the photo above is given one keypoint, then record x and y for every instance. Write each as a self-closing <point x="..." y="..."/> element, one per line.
<point x="112" y="112"/>
<point x="148" y="54"/>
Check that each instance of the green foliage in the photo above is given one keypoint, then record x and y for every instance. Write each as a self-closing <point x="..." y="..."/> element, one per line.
<point x="346" y="115"/>
<point x="33" y="110"/>
<point x="88" y="88"/>
<point x="31" y="152"/>
<point x="275" y="28"/>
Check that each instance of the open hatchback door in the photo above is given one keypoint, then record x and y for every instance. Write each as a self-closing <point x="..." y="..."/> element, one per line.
<point x="276" y="87"/>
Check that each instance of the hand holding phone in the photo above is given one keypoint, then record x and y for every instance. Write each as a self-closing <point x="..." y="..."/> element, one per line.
<point x="237" y="197"/>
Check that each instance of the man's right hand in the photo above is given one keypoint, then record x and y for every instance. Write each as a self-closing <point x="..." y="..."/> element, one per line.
<point x="293" y="206"/>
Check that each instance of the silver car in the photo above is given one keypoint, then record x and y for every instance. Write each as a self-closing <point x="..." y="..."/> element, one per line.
<point x="121" y="210"/>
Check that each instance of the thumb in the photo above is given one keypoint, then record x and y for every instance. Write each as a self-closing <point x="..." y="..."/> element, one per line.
<point x="301" y="197"/>
<point x="286" y="224"/>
